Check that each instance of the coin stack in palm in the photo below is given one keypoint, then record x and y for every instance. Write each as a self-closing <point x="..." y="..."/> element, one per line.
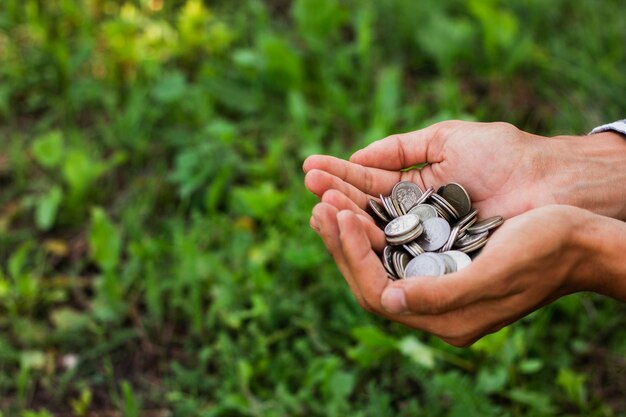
<point x="428" y="232"/>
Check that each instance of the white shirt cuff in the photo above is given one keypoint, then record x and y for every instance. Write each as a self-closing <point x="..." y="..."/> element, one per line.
<point x="619" y="126"/>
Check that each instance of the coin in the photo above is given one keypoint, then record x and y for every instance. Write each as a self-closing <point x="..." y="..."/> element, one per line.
<point x="458" y="197"/>
<point x="406" y="193"/>
<point x="402" y="225"/>
<point x="406" y="238"/>
<point x="388" y="263"/>
<point x="388" y="205"/>
<point x="400" y="261"/>
<point x="461" y="259"/>
<point x="413" y="248"/>
<point x="422" y="229"/>
<point x="445" y="205"/>
<point x="435" y="235"/>
<point x="475" y="245"/>
<point x="454" y="234"/>
<point x="449" y="261"/>
<point x="397" y="206"/>
<point x="378" y="210"/>
<point x="427" y="264"/>
<point x="424" y="211"/>
<point x="485" y="225"/>
<point x="469" y="240"/>
<point x="425" y="196"/>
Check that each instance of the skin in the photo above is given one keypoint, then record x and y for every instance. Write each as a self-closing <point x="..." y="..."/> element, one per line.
<point x="542" y="253"/>
<point x="505" y="170"/>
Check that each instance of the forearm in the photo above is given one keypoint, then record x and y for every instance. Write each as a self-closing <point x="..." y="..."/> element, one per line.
<point x="602" y="242"/>
<point x="588" y="172"/>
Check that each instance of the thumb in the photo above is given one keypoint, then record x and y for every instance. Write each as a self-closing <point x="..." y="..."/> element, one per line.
<point x="403" y="150"/>
<point x="438" y="295"/>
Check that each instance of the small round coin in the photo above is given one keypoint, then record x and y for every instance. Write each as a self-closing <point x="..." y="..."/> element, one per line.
<point x="424" y="211"/>
<point x="427" y="264"/>
<point x="378" y="210"/>
<point x="485" y="225"/>
<point x="458" y="197"/>
<point x="435" y="235"/>
<point x="461" y="259"/>
<point x="469" y="240"/>
<point x="388" y="262"/>
<point x="406" y="193"/>
<point x="402" y="225"/>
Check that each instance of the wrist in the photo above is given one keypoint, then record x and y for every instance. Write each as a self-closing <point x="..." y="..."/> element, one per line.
<point x="588" y="172"/>
<point x="601" y="243"/>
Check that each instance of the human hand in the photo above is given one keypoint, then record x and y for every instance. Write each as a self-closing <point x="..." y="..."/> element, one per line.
<point x="530" y="261"/>
<point x="505" y="170"/>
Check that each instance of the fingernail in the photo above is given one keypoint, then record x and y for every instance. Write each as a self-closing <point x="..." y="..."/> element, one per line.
<point x="394" y="301"/>
<point x="315" y="224"/>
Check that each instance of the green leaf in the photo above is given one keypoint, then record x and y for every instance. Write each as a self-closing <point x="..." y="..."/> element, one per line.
<point x="372" y="346"/>
<point x="47" y="208"/>
<point x="66" y="319"/>
<point x="573" y="385"/>
<point x="537" y="401"/>
<point x="530" y="366"/>
<point x="170" y="88"/>
<point x="48" y="149"/>
<point x="417" y="351"/>
<point x="105" y="241"/>
<point x="261" y="202"/>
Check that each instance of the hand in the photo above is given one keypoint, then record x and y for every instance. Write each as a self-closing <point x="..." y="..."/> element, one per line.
<point x="530" y="261"/>
<point x="505" y="170"/>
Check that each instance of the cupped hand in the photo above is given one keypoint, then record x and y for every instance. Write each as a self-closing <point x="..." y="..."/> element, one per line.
<point x="502" y="167"/>
<point x="530" y="261"/>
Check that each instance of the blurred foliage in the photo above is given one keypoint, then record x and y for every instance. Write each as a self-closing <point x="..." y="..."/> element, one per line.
<point x="155" y="255"/>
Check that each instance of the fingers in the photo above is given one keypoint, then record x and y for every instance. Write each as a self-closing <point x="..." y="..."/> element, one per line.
<point x="324" y="221"/>
<point x="441" y="295"/>
<point x="318" y="182"/>
<point x="371" y="181"/>
<point x="364" y="265"/>
<point x="407" y="149"/>
<point x="341" y="202"/>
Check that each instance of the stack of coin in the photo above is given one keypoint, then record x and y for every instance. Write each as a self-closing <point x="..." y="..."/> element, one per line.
<point x="430" y="233"/>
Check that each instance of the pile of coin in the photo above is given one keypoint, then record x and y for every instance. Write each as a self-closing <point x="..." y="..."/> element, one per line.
<point x="430" y="233"/>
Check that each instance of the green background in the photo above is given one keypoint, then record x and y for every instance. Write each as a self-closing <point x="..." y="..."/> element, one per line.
<point x="155" y="253"/>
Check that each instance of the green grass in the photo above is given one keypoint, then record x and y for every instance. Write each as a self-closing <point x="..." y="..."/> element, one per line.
<point x="154" y="244"/>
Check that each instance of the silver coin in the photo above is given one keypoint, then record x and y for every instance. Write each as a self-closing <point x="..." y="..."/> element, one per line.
<point x="397" y="206"/>
<point x="425" y="196"/>
<point x="388" y="262"/>
<point x="463" y="230"/>
<point x="378" y="210"/>
<point x="400" y="261"/>
<point x="413" y="248"/>
<point x="435" y="235"/>
<point x="475" y="245"/>
<point x="406" y="193"/>
<point x="427" y="264"/>
<point x="461" y="259"/>
<point x="388" y="205"/>
<point x="467" y="218"/>
<point x="485" y="225"/>
<point x="458" y="197"/>
<point x="402" y="225"/>
<point x="454" y="234"/>
<point x="424" y="211"/>
<point x="445" y="205"/>
<point x="449" y="261"/>
<point x="406" y="238"/>
<point x="469" y="240"/>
